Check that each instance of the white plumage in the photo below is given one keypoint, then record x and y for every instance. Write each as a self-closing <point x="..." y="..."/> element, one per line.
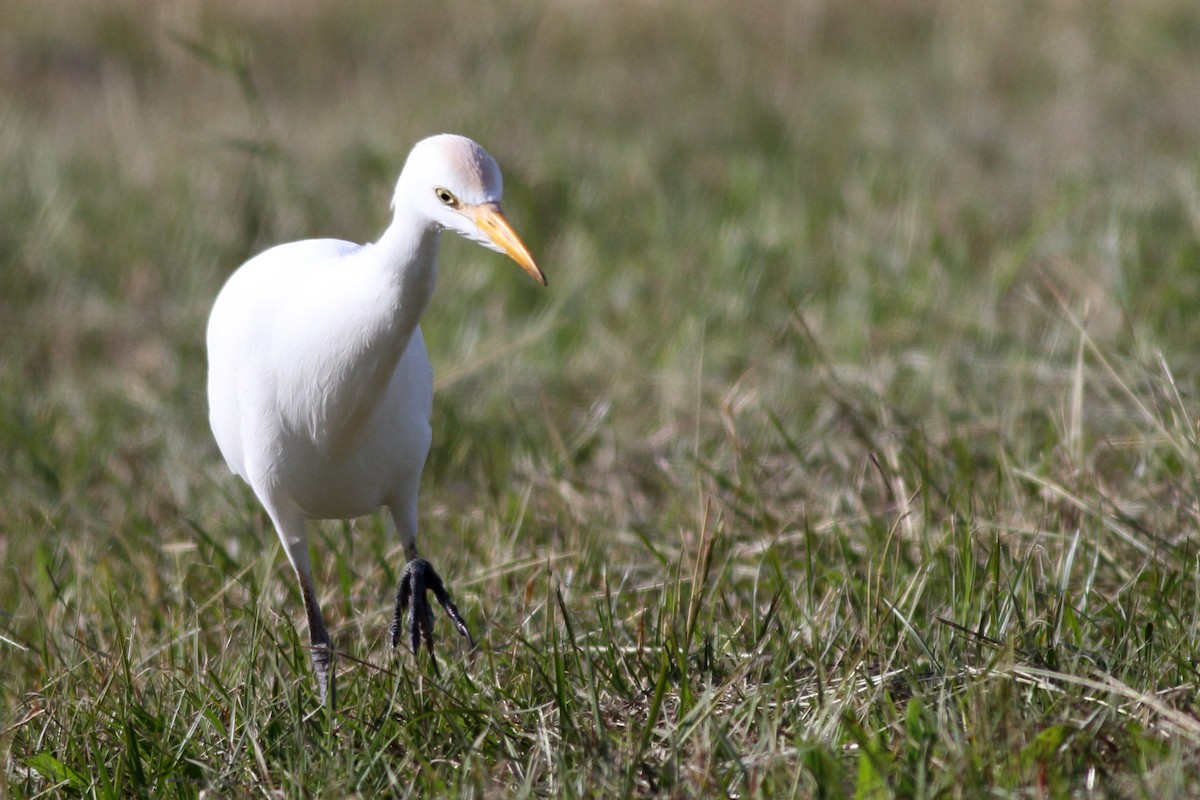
<point x="319" y="386"/>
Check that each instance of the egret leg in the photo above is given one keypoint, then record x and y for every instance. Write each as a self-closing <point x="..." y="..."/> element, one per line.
<point x="413" y="612"/>
<point x="418" y="579"/>
<point x="293" y="533"/>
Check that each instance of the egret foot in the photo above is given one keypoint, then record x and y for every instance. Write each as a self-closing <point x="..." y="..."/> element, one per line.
<point x="320" y="647"/>
<point x="326" y="669"/>
<point x="417" y="579"/>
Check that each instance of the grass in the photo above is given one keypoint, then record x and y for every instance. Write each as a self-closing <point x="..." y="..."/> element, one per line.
<point x="851" y="453"/>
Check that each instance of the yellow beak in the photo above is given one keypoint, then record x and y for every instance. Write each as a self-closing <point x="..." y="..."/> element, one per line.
<point x="492" y="222"/>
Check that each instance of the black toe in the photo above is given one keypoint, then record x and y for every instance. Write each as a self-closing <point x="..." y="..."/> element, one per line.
<point x="419" y="578"/>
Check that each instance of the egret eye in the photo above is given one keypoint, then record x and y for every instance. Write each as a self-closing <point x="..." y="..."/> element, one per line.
<point x="446" y="196"/>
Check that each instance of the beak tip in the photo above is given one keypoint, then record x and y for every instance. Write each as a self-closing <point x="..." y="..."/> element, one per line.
<point x="491" y="220"/>
<point x="536" y="273"/>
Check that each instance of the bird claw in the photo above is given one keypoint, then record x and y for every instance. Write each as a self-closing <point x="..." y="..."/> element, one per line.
<point x="417" y="579"/>
<point x="323" y="663"/>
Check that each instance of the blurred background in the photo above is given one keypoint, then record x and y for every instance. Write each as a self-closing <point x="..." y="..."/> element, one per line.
<point x="721" y="195"/>
<point x="805" y="259"/>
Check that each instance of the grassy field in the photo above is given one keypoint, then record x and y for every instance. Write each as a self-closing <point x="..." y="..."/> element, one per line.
<point x="851" y="453"/>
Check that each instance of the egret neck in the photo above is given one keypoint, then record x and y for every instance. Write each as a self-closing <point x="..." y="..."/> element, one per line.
<point x="407" y="253"/>
<point x="397" y="278"/>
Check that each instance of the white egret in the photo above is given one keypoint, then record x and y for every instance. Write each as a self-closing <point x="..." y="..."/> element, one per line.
<point x="319" y="386"/>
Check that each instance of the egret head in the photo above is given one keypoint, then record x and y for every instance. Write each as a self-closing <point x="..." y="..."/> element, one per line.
<point x="455" y="183"/>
